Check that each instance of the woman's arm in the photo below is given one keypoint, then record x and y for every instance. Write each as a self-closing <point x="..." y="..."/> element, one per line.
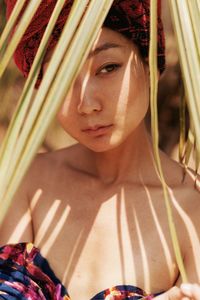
<point x="17" y="225"/>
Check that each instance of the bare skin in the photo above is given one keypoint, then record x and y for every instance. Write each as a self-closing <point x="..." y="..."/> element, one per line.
<point x="96" y="210"/>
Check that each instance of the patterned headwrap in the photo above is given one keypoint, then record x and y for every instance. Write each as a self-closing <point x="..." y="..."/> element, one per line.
<point x="128" y="17"/>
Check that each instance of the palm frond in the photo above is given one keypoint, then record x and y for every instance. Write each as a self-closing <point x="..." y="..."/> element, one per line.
<point x="11" y="22"/>
<point x="28" y="128"/>
<point x="51" y="92"/>
<point x="186" y="19"/>
<point x="21" y="28"/>
<point x="182" y="140"/>
<point x="189" y="146"/>
<point x="155" y="135"/>
<point x="26" y="97"/>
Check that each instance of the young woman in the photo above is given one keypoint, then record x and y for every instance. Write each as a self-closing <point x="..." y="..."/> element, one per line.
<point x="95" y="211"/>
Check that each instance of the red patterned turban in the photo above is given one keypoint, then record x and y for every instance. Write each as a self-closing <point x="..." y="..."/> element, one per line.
<point x="129" y="17"/>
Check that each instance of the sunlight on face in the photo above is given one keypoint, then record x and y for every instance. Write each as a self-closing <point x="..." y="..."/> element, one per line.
<point x="109" y="98"/>
<point x="122" y="103"/>
<point x="133" y="67"/>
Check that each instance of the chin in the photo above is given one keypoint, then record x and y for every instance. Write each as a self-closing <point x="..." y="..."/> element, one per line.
<point x="100" y="149"/>
<point x="102" y="143"/>
<point x="102" y="146"/>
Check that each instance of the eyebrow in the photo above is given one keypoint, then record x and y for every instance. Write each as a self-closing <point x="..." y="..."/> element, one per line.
<point x="103" y="47"/>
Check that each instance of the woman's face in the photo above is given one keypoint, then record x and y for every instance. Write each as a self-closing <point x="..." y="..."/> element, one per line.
<point x="110" y="96"/>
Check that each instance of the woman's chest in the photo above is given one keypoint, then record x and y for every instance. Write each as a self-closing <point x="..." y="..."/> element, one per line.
<point x="95" y="245"/>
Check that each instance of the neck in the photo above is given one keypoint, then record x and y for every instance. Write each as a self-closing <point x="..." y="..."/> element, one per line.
<point x="126" y="162"/>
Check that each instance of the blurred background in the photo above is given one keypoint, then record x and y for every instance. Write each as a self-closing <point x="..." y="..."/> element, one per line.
<point x="170" y="93"/>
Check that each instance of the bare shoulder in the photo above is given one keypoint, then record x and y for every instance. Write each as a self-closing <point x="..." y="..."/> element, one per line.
<point x="47" y="160"/>
<point x="188" y="194"/>
<point x="184" y="187"/>
<point x="57" y="157"/>
<point x="186" y="201"/>
<point x="44" y="172"/>
<point x="184" y="197"/>
<point x="187" y="189"/>
<point x="47" y="168"/>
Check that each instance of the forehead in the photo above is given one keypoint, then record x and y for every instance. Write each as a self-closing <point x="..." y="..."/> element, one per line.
<point x="110" y="39"/>
<point x="107" y="35"/>
<point x="106" y="39"/>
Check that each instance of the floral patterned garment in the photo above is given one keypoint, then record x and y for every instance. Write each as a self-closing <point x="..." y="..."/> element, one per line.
<point x="26" y="275"/>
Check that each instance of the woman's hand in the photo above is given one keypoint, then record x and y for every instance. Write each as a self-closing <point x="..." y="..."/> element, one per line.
<point x="186" y="291"/>
<point x="191" y="291"/>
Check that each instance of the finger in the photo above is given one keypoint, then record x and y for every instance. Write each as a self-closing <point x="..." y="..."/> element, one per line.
<point x="196" y="291"/>
<point x="186" y="289"/>
<point x="191" y="290"/>
<point x="172" y="294"/>
<point x="175" y="293"/>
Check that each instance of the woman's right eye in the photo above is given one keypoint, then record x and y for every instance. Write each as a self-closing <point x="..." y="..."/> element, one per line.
<point x="108" y="68"/>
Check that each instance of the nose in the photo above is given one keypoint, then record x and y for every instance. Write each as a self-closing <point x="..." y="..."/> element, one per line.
<point x="88" y="105"/>
<point x="89" y="99"/>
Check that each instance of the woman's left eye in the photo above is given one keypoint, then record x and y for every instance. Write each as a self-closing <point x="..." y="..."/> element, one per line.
<point x="108" y="68"/>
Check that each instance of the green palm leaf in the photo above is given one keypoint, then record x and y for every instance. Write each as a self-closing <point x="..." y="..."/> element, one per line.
<point x="186" y="19"/>
<point x="45" y="105"/>
<point x="21" y="28"/>
<point x="22" y="142"/>
<point x="155" y="135"/>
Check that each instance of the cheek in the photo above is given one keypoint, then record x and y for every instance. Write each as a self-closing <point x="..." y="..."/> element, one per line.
<point x="63" y="117"/>
<point x="63" y="122"/>
<point x="66" y="106"/>
<point x="139" y="102"/>
<point x="133" y="101"/>
<point x="67" y="124"/>
<point x="66" y="111"/>
<point x="67" y="118"/>
<point x="140" y="90"/>
<point x="60" y="118"/>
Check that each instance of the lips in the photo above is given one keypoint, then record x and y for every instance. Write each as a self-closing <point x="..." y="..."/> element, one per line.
<point x="97" y="129"/>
